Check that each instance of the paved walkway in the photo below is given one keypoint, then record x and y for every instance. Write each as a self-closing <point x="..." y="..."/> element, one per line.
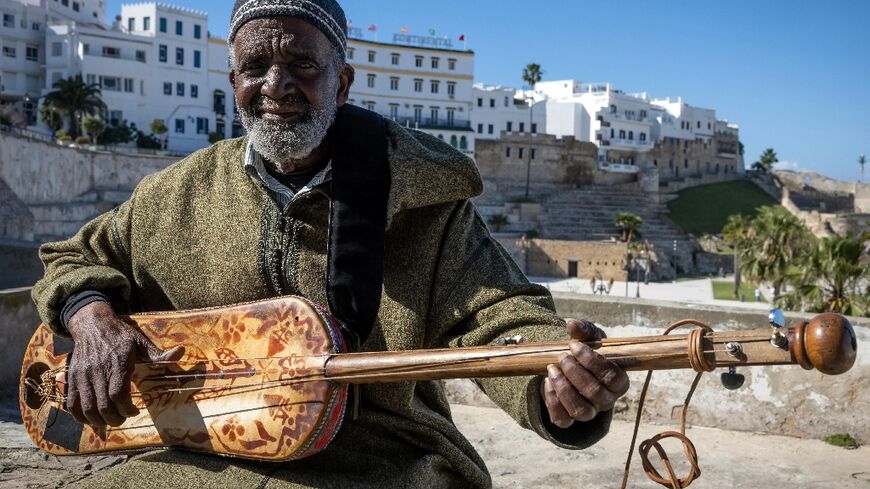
<point x="686" y="291"/>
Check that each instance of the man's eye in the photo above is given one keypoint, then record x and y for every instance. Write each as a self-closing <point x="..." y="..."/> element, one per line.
<point x="304" y="65"/>
<point x="254" y="66"/>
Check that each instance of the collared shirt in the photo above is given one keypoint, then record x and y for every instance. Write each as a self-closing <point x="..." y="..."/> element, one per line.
<point x="255" y="166"/>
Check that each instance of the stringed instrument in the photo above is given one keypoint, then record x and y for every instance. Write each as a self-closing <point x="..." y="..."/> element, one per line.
<point x="269" y="380"/>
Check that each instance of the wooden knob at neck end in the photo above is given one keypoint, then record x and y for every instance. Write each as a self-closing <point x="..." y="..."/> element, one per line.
<point x="827" y="343"/>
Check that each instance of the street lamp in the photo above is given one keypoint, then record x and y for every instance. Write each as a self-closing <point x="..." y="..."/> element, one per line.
<point x="531" y="101"/>
<point x="642" y="261"/>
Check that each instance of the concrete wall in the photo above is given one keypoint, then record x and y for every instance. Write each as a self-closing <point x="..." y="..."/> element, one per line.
<point x="19" y="264"/>
<point x="44" y="173"/>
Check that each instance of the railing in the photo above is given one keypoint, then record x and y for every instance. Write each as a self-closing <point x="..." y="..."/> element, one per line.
<point x="629" y="142"/>
<point x="635" y="118"/>
<point x="430" y="123"/>
<point x="26" y="133"/>
<point x="618" y="167"/>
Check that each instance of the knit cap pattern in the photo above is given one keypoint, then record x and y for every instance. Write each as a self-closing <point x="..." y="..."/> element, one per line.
<point x="325" y="15"/>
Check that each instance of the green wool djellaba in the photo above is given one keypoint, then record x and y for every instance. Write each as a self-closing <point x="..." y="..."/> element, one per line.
<point x="203" y="233"/>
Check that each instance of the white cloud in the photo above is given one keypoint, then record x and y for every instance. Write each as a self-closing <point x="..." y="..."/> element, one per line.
<point x="788" y="166"/>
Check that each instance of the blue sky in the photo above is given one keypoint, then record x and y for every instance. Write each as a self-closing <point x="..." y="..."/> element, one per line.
<point x="794" y="74"/>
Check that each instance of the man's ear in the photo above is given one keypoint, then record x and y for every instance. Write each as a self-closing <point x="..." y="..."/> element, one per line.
<point x="345" y="81"/>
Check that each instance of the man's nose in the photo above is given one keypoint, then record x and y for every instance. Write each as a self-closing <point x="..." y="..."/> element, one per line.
<point x="279" y="83"/>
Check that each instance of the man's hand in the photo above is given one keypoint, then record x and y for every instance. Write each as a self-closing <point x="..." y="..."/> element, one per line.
<point x="583" y="383"/>
<point x="98" y="380"/>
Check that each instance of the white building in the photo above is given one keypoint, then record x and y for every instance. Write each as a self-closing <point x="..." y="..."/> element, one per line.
<point x="22" y="45"/>
<point x="155" y="62"/>
<point x="496" y="109"/>
<point x="420" y="82"/>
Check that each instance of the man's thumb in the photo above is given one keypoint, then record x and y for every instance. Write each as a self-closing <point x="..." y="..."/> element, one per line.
<point x="154" y="354"/>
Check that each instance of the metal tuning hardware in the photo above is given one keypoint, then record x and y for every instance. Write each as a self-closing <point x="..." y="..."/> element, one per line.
<point x="734" y="348"/>
<point x="731" y="380"/>
<point x="777" y="322"/>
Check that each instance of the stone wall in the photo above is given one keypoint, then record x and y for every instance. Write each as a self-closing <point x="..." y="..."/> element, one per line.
<point x="703" y="160"/>
<point x="552" y="258"/>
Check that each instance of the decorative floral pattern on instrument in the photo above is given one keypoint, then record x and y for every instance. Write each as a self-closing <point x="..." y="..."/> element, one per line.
<point x="249" y="385"/>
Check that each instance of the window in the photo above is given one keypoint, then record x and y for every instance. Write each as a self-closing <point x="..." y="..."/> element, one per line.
<point x="451" y="64"/>
<point x="9" y="51"/>
<point x="506" y="102"/>
<point x="197" y="59"/>
<point x="522" y="127"/>
<point x="510" y="127"/>
<point x="201" y="125"/>
<point x="492" y="103"/>
<point x="435" y="85"/>
<point x="612" y="134"/>
<point x="110" y="83"/>
<point x="454" y="141"/>
<point x="435" y="63"/>
<point x="179" y="126"/>
<point x="36" y="26"/>
<point x="111" y="52"/>
<point x="57" y="49"/>
<point x="394" y="111"/>
<point x="179" y="28"/>
<point x="370" y="81"/>
<point x="163" y="24"/>
<point x="613" y="109"/>
<point x="643" y="137"/>
<point x="491" y="129"/>
<point x="418" y="113"/>
<point x="131" y="24"/>
<point x="179" y="89"/>
<point x="32" y="53"/>
<point x="394" y="83"/>
<point x="115" y="117"/>
<point x="480" y="102"/>
<point x="197" y="31"/>
<point x="520" y="153"/>
<point x="451" y="89"/>
<point x="433" y="115"/>
<point x="65" y="3"/>
<point x="621" y="134"/>
<point x="480" y="128"/>
<point x="508" y="152"/>
<point x="370" y="106"/>
<point x="372" y="56"/>
<point x="167" y="88"/>
<point x="128" y="85"/>
<point x="194" y="91"/>
<point x="350" y="52"/>
<point x="163" y="53"/>
<point x="699" y="124"/>
<point x="9" y="21"/>
<point x="179" y="56"/>
<point x="463" y="142"/>
<point x="631" y="135"/>
<point x="418" y="85"/>
<point x="140" y="56"/>
<point x="76" y="6"/>
<point x="395" y="58"/>
<point x="418" y="61"/>
<point x="451" y="116"/>
<point x="534" y="128"/>
<point x="532" y="153"/>
<point x="146" y="23"/>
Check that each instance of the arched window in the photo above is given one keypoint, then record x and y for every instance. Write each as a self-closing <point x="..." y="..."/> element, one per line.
<point x="621" y="134"/>
<point x="454" y="141"/>
<point x="463" y="143"/>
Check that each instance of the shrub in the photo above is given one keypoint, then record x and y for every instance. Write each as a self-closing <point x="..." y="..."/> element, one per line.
<point x="497" y="221"/>
<point x="83" y="140"/>
<point x="214" y="137"/>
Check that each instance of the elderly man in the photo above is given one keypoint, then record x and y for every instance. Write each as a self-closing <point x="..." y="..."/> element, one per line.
<point x="333" y="203"/>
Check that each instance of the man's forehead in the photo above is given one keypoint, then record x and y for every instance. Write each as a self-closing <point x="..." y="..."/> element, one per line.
<point x="286" y="30"/>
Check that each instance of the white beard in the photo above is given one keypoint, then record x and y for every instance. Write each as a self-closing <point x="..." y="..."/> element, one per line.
<point x="283" y="143"/>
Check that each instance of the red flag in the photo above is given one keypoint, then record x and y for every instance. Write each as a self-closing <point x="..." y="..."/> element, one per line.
<point x="462" y="37"/>
<point x="373" y="28"/>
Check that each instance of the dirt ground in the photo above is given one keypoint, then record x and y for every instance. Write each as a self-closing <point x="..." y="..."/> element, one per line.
<point x="519" y="459"/>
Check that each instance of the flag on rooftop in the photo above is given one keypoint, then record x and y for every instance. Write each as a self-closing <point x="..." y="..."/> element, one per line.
<point x="462" y="37"/>
<point x="373" y="28"/>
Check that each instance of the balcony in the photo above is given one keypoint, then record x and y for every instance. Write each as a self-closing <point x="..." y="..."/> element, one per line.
<point x="605" y="115"/>
<point x="437" y="124"/>
<point x="631" y="144"/>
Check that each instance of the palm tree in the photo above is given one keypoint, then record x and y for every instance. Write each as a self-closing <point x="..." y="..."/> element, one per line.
<point x="734" y="233"/>
<point x="497" y="221"/>
<point x="628" y="225"/>
<point x="74" y="97"/>
<point x="532" y="74"/>
<point x="830" y="278"/>
<point x="862" y="160"/>
<point x="775" y="241"/>
<point x="768" y="159"/>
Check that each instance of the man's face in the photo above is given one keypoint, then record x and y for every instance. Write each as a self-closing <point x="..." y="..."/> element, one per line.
<point x="288" y="81"/>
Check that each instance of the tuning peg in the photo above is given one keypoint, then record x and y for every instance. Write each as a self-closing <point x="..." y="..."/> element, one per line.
<point x="776" y="318"/>
<point x="731" y="380"/>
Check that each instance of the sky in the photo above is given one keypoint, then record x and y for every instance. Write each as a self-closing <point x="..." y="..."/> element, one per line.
<point x="793" y="74"/>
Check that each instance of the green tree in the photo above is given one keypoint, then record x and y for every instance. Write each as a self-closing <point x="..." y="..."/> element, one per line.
<point x="75" y="98"/>
<point x="532" y="75"/>
<point x="497" y="221"/>
<point x="767" y="160"/>
<point x="628" y="225"/>
<point x="734" y="233"/>
<point x="214" y="137"/>
<point x="158" y="128"/>
<point x="93" y="127"/>
<point x="862" y="160"/>
<point x="117" y="134"/>
<point x="51" y="117"/>
<point x="775" y="240"/>
<point x="831" y="278"/>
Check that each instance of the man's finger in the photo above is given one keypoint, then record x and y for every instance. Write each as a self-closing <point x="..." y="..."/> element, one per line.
<point x="73" y="403"/>
<point x="607" y="372"/>
<point x="107" y="409"/>
<point x="576" y="406"/>
<point x="149" y="351"/>
<point x="584" y="330"/>
<point x="589" y="387"/>
<point x="558" y="415"/>
<point x="119" y="389"/>
<point x="88" y="402"/>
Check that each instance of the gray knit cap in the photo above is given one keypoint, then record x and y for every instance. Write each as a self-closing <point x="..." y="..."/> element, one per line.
<point x="326" y="15"/>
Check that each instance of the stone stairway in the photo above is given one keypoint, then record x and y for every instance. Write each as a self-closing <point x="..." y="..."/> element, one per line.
<point x="588" y="214"/>
<point x="58" y="221"/>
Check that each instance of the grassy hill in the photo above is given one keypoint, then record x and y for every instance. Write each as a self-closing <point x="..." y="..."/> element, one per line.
<point x="705" y="209"/>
